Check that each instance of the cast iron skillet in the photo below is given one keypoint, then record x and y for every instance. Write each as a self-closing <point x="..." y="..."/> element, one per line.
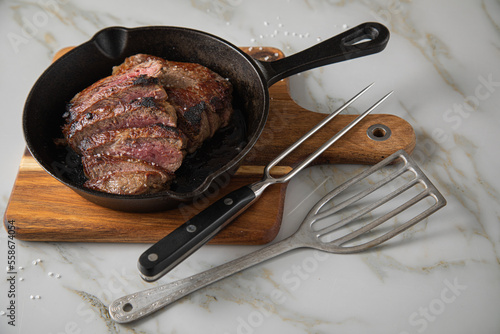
<point x="93" y="60"/>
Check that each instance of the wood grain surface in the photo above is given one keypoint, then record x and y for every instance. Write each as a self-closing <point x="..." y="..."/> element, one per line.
<point x="43" y="209"/>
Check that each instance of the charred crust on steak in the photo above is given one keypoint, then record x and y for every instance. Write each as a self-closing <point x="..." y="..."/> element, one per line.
<point x="148" y="102"/>
<point x="145" y="80"/>
<point x="193" y="114"/>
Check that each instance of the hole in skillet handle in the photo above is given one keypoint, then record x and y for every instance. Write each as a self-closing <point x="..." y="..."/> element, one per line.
<point x="368" y="34"/>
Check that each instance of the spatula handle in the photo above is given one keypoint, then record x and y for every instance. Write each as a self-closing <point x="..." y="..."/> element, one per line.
<point x="187" y="238"/>
<point x="140" y="304"/>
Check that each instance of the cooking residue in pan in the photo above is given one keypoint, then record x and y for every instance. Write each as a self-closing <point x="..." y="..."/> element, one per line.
<point x="153" y="125"/>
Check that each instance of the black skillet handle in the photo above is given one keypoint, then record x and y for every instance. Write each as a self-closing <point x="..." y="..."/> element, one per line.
<point x="187" y="238"/>
<point x="362" y="40"/>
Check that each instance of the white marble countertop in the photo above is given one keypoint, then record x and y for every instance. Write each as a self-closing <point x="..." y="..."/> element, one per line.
<point x="442" y="61"/>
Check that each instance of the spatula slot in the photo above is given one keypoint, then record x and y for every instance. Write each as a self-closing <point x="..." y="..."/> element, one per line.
<point x="379" y="224"/>
<point x="365" y="193"/>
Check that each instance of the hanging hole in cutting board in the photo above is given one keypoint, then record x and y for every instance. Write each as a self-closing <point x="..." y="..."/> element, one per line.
<point x="379" y="132"/>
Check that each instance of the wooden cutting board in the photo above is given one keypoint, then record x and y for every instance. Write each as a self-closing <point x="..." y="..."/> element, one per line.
<point x="43" y="209"/>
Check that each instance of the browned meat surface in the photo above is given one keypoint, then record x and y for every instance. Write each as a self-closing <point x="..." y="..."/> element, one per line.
<point x="134" y="127"/>
<point x="202" y="99"/>
<point x="96" y="166"/>
<point x="124" y="176"/>
<point x="129" y="183"/>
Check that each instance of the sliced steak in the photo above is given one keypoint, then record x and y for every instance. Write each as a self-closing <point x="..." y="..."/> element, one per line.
<point x="122" y="97"/>
<point x="110" y="85"/>
<point x="164" y="146"/>
<point x="201" y="97"/>
<point x="111" y="114"/>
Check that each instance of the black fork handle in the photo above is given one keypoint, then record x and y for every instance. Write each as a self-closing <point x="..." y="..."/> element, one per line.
<point x="164" y="255"/>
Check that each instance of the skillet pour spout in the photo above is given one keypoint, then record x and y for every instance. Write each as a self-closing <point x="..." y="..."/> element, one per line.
<point x="251" y="78"/>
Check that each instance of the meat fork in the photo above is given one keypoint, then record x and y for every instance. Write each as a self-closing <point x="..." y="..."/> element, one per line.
<point x="164" y="255"/>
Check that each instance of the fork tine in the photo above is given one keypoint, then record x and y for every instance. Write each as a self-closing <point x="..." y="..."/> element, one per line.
<point x="314" y="130"/>
<point x="329" y="143"/>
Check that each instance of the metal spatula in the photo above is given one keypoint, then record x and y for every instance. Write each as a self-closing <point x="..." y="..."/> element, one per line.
<point x="361" y="224"/>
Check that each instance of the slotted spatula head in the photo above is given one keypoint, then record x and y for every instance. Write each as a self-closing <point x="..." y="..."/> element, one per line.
<point x="372" y="207"/>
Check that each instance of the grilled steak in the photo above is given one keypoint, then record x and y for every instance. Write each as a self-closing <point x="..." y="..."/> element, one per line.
<point x="134" y="127"/>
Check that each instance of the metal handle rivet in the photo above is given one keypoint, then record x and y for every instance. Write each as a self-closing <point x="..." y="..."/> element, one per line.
<point x="191" y="228"/>
<point x="153" y="257"/>
<point x="228" y="201"/>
